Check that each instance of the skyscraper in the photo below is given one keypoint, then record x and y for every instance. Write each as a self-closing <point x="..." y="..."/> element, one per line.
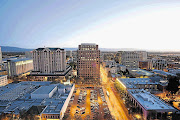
<point x="88" y="57"/>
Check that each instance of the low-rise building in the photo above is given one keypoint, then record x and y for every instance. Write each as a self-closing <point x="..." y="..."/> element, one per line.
<point x="147" y="65"/>
<point x="58" y="75"/>
<point x="136" y="83"/>
<point x="16" y="67"/>
<point x="136" y="72"/>
<point x="174" y="71"/>
<point x="163" y="73"/>
<point x="173" y="65"/>
<point x="137" y="92"/>
<point x="148" y="105"/>
<point x="3" y="80"/>
<point x="53" y="99"/>
<point x="3" y="72"/>
<point x="44" y="92"/>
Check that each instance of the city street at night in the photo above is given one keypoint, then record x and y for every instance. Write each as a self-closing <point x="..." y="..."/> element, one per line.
<point x="115" y="103"/>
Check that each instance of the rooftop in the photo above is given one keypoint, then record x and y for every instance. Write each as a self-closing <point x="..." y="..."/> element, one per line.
<point x="163" y="72"/>
<point x="44" y="89"/>
<point x="53" y="49"/>
<point x="2" y="75"/>
<point x="15" y="97"/>
<point x="132" y="82"/>
<point x="149" y="101"/>
<point x="20" y="59"/>
<point x="140" y="72"/>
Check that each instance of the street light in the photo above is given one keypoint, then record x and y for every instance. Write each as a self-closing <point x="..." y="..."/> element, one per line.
<point x="138" y="116"/>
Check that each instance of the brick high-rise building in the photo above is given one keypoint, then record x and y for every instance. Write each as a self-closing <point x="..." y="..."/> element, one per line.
<point x="88" y="61"/>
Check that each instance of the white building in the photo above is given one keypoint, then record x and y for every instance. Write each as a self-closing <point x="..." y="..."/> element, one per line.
<point x="3" y="80"/>
<point x="137" y="72"/>
<point x="17" y="67"/>
<point x="113" y="67"/>
<point x="131" y="58"/>
<point x="49" y="60"/>
<point x="150" y="106"/>
<point x="137" y="83"/>
<point x="44" y="92"/>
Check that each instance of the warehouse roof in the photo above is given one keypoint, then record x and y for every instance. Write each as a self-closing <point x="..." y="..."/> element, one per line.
<point x="44" y="89"/>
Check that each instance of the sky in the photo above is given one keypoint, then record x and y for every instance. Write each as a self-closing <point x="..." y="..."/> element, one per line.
<point x="139" y="24"/>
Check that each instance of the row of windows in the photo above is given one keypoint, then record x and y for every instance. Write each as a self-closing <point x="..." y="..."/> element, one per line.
<point x="52" y="116"/>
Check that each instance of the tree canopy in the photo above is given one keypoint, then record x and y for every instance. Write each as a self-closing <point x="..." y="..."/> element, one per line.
<point x="173" y="84"/>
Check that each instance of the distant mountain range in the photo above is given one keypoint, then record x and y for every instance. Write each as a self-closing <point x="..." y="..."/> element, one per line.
<point x="13" y="49"/>
<point x="17" y="49"/>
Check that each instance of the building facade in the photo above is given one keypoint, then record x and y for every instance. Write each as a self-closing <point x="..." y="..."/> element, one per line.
<point x="147" y="65"/>
<point x="149" y="106"/>
<point x="159" y="63"/>
<point x="88" y="64"/>
<point x="137" y="93"/>
<point x="49" y="60"/>
<point x="131" y="58"/>
<point x="17" y="67"/>
<point x="3" y="80"/>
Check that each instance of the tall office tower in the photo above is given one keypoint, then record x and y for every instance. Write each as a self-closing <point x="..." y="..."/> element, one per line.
<point x="88" y="61"/>
<point x="49" y="60"/>
<point x="0" y="56"/>
<point x="131" y="58"/>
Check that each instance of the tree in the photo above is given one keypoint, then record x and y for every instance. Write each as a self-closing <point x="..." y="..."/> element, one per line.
<point x="73" y="65"/>
<point x="173" y="84"/>
<point x="109" y="74"/>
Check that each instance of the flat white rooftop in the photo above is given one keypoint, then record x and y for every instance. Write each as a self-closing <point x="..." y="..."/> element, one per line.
<point x="132" y="82"/>
<point x="44" y="89"/>
<point x="141" y="72"/>
<point x="149" y="101"/>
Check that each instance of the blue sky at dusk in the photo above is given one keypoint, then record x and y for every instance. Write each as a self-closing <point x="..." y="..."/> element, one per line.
<point x="141" y="24"/>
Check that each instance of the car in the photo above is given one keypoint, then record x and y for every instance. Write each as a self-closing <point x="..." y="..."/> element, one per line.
<point x="83" y="113"/>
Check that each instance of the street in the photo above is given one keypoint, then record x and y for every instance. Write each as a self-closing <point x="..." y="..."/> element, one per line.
<point x="115" y="103"/>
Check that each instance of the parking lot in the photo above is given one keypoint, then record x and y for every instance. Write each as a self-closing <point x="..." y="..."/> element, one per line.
<point x="88" y="103"/>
